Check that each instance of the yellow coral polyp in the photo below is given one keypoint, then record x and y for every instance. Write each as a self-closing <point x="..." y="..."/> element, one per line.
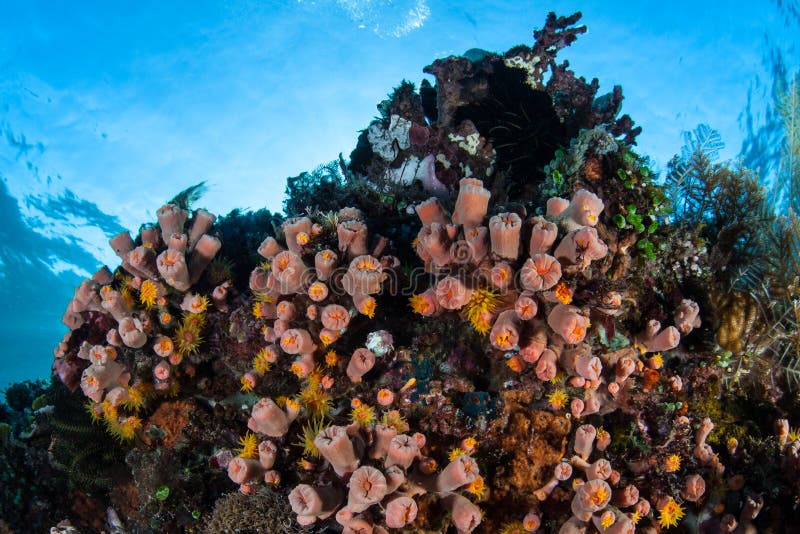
<point x="197" y="320"/>
<point x="657" y="360"/>
<point x="368" y="307"/>
<point x="456" y="453"/>
<point x="607" y="519"/>
<point x="165" y="345"/>
<point x="258" y="310"/>
<point x="313" y="396"/>
<point x="173" y="389"/>
<point x="331" y="358"/>
<point x="326" y="338"/>
<point x="363" y="414"/>
<point x="558" y="399"/>
<point x="671" y="514"/>
<point x="297" y="370"/>
<point x="317" y="290"/>
<point x="247" y="384"/>
<point x="187" y="337"/>
<point x="261" y="363"/>
<point x="135" y="399"/>
<point x="125" y="292"/>
<point x="515" y="364"/>
<point x="200" y="304"/>
<point x="503" y="340"/>
<point x="480" y="307"/>
<point x="125" y="428"/>
<point x="477" y="487"/>
<point x="367" y="263"/>
<point x="419" y="304"/>
<point x="93" y="413"/>
<point x="265" y="298"/>
<point x="672" y="463"/>
<point x="394" y="419"/>
<point x="165" y="318"/>
<point x="109" y="411"/>
<point x="309" y="432"/>
<point x="249" y="446"/>
<point x="481" y="326"/>
<point x="599" y="496"/>
<point x="563" y="293"/>
<point x="148" y="294"/>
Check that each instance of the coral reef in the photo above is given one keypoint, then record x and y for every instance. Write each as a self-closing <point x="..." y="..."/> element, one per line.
<point x="492" y="318"/>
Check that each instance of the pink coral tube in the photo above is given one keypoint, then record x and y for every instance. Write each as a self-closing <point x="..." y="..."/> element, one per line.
<point x="297" y="341"/>
<point x="352" y="237"/>
<point x="245" y="470"/>
<point x="540" y="272"/>
<point x="335" y="446"/>
<point x="172" y="267"/>
<point x="269" y="248"/>
<point x="460" y="472"/>
<point x="335" y="317"/>
<point x="311" y="503"/>
<point x="289" y="272"/>
<point x="505" y="334"/>
<point x="472" y="203"/>
<point x="451" y="293"/>
<point x="367" y="487"/>
<point x="204" y="251"/>
<point x="465" y="514"/>
<point x="201" y="223"/>
<point x="292" y="228"/>
<point x="360" y="363"/>
<point x="431" y="211"/>
<point x="324" y="262"/>
<point x="504" y="230"/>
<point x="171" y="219"/>
<point x="267" y="418"/>
<point x="434" y="242"/>
<point x="364" y="276"/>
<point x="400" y="511"/>
<point x="543" y="235"/>
<point x="567" y="322"/>
<point x="402" y="451"/>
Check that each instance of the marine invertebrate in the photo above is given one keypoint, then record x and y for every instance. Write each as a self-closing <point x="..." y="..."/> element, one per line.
<point x="670" y="514"/>
<point x="548" y="307"/>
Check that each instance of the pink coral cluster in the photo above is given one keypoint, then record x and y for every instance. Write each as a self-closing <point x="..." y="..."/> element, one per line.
<point x="136" y="307"/>
<point x="307" y="294"/>
<point x="249" y="472"/>
<point x="538" y="319"/>
<point x="383" y="481"/>
<point x="537" y="316"/>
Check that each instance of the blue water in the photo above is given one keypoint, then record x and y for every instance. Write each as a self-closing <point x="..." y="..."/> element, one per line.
<point x="107" y="111"/>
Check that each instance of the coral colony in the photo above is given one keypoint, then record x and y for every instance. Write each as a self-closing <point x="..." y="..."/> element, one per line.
<point x="485" y="321"/>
